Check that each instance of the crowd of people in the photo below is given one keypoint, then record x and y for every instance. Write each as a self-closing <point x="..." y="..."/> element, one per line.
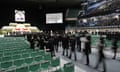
<point x="72" y="43"/>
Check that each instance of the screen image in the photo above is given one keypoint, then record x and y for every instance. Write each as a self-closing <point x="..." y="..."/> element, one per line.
<point x="19" y="16"/>
<point x="53" y="18"/>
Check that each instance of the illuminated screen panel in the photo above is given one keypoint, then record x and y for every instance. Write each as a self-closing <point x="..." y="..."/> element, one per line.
<point x="54" y="18"/>
<point x="19" y="16"/>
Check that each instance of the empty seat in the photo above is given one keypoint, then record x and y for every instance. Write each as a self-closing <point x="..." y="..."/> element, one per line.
<point x="45" y="65"/>
<point x="19" y="62"/>
<point x="25" y="55"/>
<point x="34" y="68"/>
<point x="34" y="54"/>
<point x="55" y="62"/>
<point x="15" y="52"/>
<point x="1" y="55"/>
<point x="8" y="54"/>
<point x="7" y="58"/>
<point x="10" y="70"/>
<point x="28" y="60"/>
<point x="6" y="65"/>
<point x="22" y="69"/>
<point x="38" y="58"/>
<point x="69" y="67"/>
<point x="16" y="57"/>
<point x="41" y="52"/>
<point x="47" y="56"/>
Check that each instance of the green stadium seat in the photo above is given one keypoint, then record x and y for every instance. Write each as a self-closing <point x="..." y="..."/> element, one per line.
<point x="19" y="62"/>
<point x="0" y="59"/>
<point x="11" y="70"/>
<point x="45" y="65"/>
<point x="22" y="69"/>
<point x="7" y="58"/>
<point x="16" y="57"/>
<point x="55" y="62"/>
<point x="34" y="54"/>
<point x="28" y="60"/>
<point x="69" y="67"/>
<point x="59" y="70"/>
<point x="41" y="52"/>
<point x="25" y="55"/>
<point x="1" y="51"/>
<point x="38" y="58"/>
<point x="1" y="55"/>
<point x="6" y="65"/>
<point x="15" y="52"/>
<point x="34" y="68"/>
<point x="47" y="56"/>
<point x="8" y="54"/>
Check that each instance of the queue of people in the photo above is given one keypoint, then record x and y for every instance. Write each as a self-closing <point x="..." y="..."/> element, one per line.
<point x="72" y="43"/>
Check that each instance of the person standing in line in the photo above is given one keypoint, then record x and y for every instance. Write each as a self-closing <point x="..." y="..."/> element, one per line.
<point x="89" y="43"/>
<point x="73" y="49"/>
<point x="65" y="44"/>
<point x="101" y="57"/>
<point x="41" y="42"/>
<point x="56" y="41"/>
<point x="51" y="45"/>
<point x="86" y="50"/>
<point x="114" y="47"/>
<point x="78" y="43"/>
<point x="32" y="43"/>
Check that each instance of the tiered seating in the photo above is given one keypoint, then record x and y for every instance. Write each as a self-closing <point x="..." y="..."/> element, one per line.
<point x="108" y="43"/>
<point x="16" y="56"/>
<point x="69" y="67"/>
<point x="72" y="13"/>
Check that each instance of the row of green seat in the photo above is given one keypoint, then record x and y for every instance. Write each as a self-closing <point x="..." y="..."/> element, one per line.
<point x="18" y="57"/>
<point x="19" y="64"/>
<point x="108" y="43"/>
<point x="37" y="67"/>
<point x="21" y="55"/>
<point x="16" y="61"/>
<point x="12" y="50"/>
<point x="68" y="67"/>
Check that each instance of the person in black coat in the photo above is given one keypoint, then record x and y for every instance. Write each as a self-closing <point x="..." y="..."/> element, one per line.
<point x="101" y="57"/>
<point x="72" y="45"/>
<point x="32" y="42"/>
<point x="41" y="42"/>
<point x="65" y="44"/>
<point x="78" y="43"/>
<point x="56" y="42"/>
<point x="89" y="43"/>
<point x="51" y="46"/>
<point x="114" y="47"/>
<point x="86" y="50"/>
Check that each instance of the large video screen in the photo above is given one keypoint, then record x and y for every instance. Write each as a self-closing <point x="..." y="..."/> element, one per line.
<point x="54" y="18"/>
<point x="19" y="16"/>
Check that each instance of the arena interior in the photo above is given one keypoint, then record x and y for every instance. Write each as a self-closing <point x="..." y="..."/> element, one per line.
<point x="60" y="36"/>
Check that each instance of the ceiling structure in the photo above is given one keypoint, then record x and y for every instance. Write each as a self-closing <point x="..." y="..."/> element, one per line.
<point x="46" y="3"/>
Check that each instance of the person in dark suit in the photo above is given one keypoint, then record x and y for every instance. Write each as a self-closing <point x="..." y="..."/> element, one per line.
<point x="32" y="42"/>
<point x="65" y="44"/>
<point x="89" y="43"/>
<point x="78" y="43"/>
<point x="37" y="42"/>
<point x="72" y="45"/>
<point x="101" y="57"/>
<point x="51" y="45"/>
<point x="56" y="41"/>
<point x="41" y="42"/>
<point x="114" y="47"/>
<point x="86" y="50"/>
<point x="46" y="39"/>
